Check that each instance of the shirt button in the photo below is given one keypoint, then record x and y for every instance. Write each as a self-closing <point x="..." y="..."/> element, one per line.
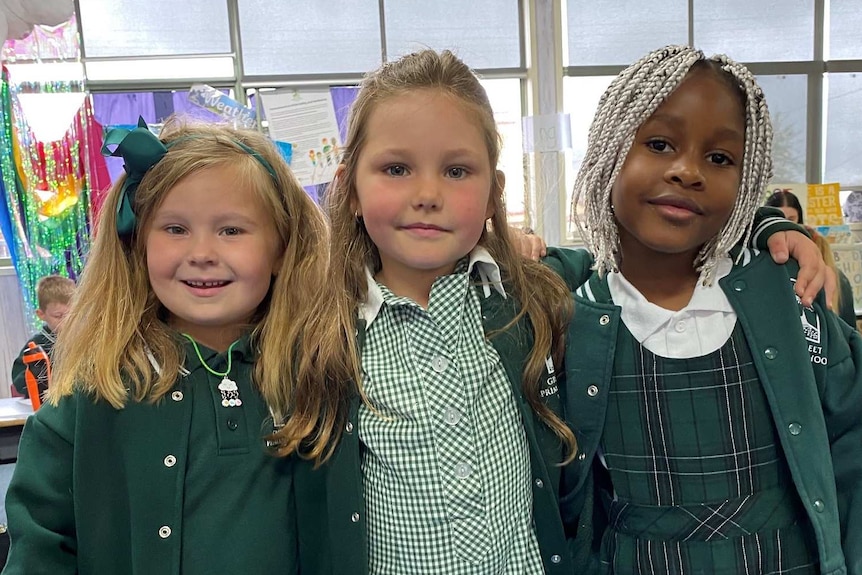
<point x="355" y="518"/>
<point x="795" y="428"/>
<point x="463" y="470"/>
<point x="582" y="456"/>
<point x="452" y="416"/>
<point x="439" y="364"/>
<point x="592" y="391"/>
<point x="680" y="326"/>
<point x="605" y="320"/>
<point x="540" y="483"/>
<point x="770" y="353"/>
<point x="232" y="424"/>
<point x="819" y="506"/>
<point x="164" y="531"/>
<point x="170" y="461"/>
<point x="177" y="396"/>
<point x="556" y="558"/>
<point x="349" y="427"/>
<point x="739" y="285"/>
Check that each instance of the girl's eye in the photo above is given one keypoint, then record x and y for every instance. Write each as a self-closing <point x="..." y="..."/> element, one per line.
<point x="174" y="230"/>
<point x="456" y="172"/>
<point x="231" y="231"/>
<point x="396" y="171"/>
<point x="658" y="145"/>
<point x="720" y="159"/>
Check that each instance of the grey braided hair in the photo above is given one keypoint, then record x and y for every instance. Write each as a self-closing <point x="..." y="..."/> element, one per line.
<point x="628" y="102"/>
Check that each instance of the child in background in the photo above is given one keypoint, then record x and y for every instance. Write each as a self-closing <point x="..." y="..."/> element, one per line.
<point x="445" y="455"/>
<point x="54" y="294"/>
<point x="151" y="457"/>
<point x="723" y="436"/>
<point x="842" y="302"/>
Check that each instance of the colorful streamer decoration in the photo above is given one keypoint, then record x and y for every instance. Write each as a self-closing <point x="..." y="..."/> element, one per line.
<point x="46" y="192"/>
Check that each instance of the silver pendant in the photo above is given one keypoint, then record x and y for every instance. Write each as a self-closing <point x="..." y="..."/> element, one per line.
<point x="229" y="393"/>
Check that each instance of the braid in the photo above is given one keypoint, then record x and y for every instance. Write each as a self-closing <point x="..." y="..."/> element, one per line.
<point x="629" y="101"/>
<point x="755" y="173"/>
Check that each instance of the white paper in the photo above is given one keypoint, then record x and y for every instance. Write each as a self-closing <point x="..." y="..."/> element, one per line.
<point x="306" y="120"/>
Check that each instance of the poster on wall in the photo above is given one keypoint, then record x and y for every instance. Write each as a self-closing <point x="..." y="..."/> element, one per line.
<point x="305" y="119"/>
<point x="820" y="202"/>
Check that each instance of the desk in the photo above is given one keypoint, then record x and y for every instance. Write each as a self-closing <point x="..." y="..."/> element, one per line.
<point x="14" y="412"/>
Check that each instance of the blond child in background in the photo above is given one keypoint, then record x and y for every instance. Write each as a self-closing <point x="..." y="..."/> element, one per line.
<point x="54" y="295"/>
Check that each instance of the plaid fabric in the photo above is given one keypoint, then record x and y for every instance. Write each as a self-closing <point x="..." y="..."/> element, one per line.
<point x="700" y="480"/>
<point x="446" y="473"/>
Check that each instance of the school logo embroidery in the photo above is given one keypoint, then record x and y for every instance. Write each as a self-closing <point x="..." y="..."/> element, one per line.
<point x="811" y="329"/>
<point x="549" y="388"/>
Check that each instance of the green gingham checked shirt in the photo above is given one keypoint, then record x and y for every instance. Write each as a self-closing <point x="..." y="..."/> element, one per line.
<point x="445" y="466"/>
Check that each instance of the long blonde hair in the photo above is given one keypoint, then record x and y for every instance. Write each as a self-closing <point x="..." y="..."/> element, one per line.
<point x="320" y="411"/>
<point x="116" y="321"/>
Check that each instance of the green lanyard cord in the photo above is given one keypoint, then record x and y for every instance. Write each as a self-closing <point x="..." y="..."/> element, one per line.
<point x="203" y="363"/>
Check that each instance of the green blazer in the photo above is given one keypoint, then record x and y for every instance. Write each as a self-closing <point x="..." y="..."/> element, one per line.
<point x="814" y="391"/>
<point x="103" y="491"/>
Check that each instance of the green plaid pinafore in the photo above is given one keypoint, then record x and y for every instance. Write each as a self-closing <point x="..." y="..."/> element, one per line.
<point x="700" y="481"/>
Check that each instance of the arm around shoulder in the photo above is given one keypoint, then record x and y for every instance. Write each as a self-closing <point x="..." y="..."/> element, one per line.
<point x="573" y="265"/>
<point x="39" y="502"/>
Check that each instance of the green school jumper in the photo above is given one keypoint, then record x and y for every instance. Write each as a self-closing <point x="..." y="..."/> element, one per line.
<point x="181" y="486"/>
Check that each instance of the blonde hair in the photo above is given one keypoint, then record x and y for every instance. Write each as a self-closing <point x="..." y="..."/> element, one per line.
<point x="54" y="289"/>
<point x="116" y="319"/>
<point x="829" y="259"/>
<point x="320" y="411"/>
<point x="629" y="101"/>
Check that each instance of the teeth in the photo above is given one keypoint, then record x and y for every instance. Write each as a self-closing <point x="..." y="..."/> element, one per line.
<point x="205" y="284"/>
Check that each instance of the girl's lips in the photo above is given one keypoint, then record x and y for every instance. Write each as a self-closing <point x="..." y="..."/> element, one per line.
<point x="678" y="203"/>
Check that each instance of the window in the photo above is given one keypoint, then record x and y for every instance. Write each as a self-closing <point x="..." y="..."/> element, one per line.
<point x="484" y="33"/>
<point x="295" y="37"/>
<point x="131" y="28"/>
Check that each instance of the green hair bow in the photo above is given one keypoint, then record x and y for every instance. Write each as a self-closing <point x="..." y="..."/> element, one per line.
<point x="140" y="150"/>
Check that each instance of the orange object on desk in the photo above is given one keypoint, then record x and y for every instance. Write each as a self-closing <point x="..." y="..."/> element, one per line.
<point x="35" y="354"/>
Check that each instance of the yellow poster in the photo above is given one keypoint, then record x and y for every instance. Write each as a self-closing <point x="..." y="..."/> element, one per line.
<point x="823" y="206"/>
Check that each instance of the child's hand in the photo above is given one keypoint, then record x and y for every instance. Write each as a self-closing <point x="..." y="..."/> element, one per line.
<point x="814" y="274"/>
<point x="528" y="244"/>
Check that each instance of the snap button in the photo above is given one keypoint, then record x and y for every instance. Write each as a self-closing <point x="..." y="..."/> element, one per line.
<point x="540" y="483"/>
<point x="592" y="391"/>
<point x="739" y="285"/>
<point x="463" y="470"/>
<point x="439" y="364"/>
<point x="349" y="427"/>
<point x="452" y="416"/>
<point x="164" y="531"/>
<point x="795" y="428"/>
<point x="582" y="456"/>
<point x="355" y="518"/>
<point x="556" y="558"/>
<point x="770" y="353"/>
<point x="605" y="320"/>
<point x="170" y="461"/>
<point x="177" y="396"/>
<point x="232" y="424"/>
<point x="819" y="506"/>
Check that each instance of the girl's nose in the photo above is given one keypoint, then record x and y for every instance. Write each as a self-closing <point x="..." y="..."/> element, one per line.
<point x="203" y="251"/>
<point x="685" y="171"/>
<point x="427" y="196"/>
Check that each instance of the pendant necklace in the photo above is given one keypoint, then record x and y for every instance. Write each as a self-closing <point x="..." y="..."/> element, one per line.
<point x="227" y="387"/>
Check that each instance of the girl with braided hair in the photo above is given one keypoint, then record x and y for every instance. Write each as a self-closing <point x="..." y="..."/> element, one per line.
<point x="721" y="436"/>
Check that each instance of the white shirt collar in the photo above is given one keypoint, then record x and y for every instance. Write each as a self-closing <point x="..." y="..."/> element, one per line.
<point x="487" y="268"/>
<point x="644" y="318"/>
